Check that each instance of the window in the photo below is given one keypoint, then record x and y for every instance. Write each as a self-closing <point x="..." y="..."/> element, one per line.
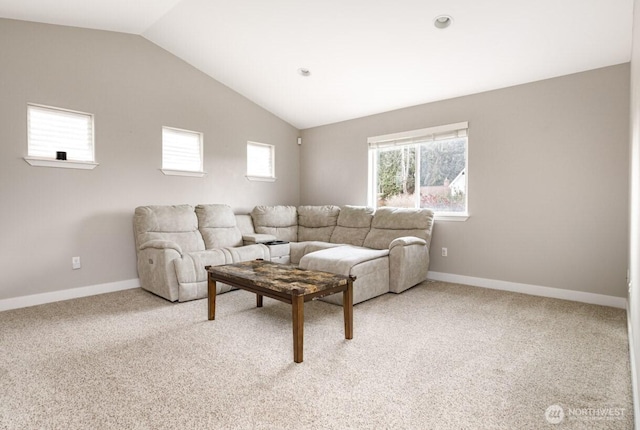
<point x="182" y="152"/>
<point x="51" y="131"/>
<point x="421" y="168"/>
<point x="260" y="162"/>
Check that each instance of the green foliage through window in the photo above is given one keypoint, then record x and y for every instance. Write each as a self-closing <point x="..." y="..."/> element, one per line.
<point x="440" y="166"/>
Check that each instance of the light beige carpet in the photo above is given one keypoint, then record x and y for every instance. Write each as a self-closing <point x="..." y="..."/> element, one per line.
<point x="439" y="356"/>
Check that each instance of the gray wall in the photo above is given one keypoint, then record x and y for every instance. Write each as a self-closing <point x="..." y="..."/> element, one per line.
<point x="548" y="168"/>
<point x="548" y="179"/>
<point x="134" y="88"/>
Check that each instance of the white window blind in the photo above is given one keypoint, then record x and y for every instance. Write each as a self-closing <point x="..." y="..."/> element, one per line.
<point x="260" y="161"/>
<point x="431" y="134"/>
<point x="181" y="150"/>
<point x="51" y="130"/>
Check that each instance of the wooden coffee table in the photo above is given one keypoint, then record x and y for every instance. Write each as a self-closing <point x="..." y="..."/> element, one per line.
<point x="288" y="284"/>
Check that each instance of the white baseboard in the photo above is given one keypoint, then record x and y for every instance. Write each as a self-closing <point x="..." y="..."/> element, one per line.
<point x="72" y="293"/>
<point x="534" y="290"/>
<point x="634" y="370"/>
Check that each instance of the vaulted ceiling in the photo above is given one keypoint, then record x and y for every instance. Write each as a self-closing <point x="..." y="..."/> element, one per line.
<point x="364" y="57"/>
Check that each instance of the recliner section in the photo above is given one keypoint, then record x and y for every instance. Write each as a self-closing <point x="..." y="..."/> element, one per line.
<point x="175" y="243"/>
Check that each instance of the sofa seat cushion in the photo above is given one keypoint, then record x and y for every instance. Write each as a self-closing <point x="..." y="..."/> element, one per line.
<point x="300" y="249"/>
<point x="317" y="222"/>
<point x="248" y="253"/>
<point x="340" y="259"/>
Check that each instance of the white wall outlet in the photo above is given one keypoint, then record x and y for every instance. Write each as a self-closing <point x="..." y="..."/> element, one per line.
<point x="444" y="252"/>
<point x="75" y="263"/>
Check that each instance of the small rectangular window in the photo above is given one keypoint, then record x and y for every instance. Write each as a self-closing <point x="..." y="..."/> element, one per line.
<point x="421" y="169"/>
<point x="260" y="162"/>
<point x="182" y="152"/>
<point x="53" y="130"/>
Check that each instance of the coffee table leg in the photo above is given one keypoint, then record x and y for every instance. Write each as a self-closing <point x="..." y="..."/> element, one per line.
<point x="211" y="286"/>
<point x="258" y="300"/>
<point x="347" y="305"/>
<point x="297" y="305"/>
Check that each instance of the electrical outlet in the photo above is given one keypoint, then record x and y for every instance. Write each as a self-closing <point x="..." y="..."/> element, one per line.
<point x="75" y="263"/>
<point x="444" y="252"/>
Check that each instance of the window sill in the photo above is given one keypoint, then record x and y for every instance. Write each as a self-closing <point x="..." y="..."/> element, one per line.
<point x="452" y="217"/>
<point x="65" y="164"/>
<point x="261" y="178"/>
<point x="183" y="173"/>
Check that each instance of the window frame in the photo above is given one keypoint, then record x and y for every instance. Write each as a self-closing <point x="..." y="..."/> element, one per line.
<point x="415" y="138"/>
<point x="39" y="161"/>
<point x="180" y="172"/>
<point x="272" y="150"/>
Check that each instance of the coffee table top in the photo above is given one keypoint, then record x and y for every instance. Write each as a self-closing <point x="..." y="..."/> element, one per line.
<point x="283" y="278"/>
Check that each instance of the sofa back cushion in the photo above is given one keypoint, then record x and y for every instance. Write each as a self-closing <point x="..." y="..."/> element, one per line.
<point x="316" y="223"/>
<point x="354" y="222"/>
<point x="245" y="223"/>
<point x="391" y="223"/>
<point x="279" y="221"/>
<point x="217" y="224"/>
<point x="177" y="224"/>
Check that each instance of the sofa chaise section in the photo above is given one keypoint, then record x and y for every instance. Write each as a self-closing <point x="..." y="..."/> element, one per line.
<point x="370" y="267"/>
<point x="387" y="250"/>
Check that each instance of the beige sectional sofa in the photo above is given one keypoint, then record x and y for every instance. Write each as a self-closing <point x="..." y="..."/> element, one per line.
<point x="387" y="250"/>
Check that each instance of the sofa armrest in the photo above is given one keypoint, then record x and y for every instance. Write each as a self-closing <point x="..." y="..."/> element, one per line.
<point x="161" y="244"/>
<point x="156" y="269"/>
<point x="250" y="239"/>
<point x="407" y="240"/>
<point x="408" y="263"/>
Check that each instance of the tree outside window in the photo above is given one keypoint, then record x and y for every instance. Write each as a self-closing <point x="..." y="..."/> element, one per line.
<point x="437" y="166"/>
